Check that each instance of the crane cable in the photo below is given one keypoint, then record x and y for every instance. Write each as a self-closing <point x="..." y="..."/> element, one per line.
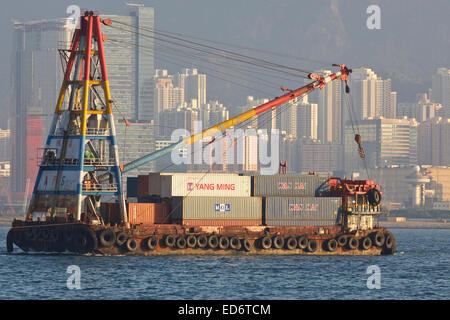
<point x="169" y="35"/>
<point x="240" y="58"/>
<point x="348" y="101"/>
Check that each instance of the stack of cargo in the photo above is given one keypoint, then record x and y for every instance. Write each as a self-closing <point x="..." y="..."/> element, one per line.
<point x="297" y="200"/>
<point x="208" y="199"/>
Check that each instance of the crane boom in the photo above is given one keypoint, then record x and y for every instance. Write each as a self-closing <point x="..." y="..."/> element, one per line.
<point x="320" y="82"/>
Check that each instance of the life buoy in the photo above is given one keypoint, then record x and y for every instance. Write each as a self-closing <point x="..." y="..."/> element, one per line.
<point x="131" y="244"/>
<point x="202" y="241"/>
<point x="312" y="245"/>
<point x="302" y="242"/>
<point x="151" y="243"/>
<point x="352" y="243"/>
<point x="191" y="241"/>
<point x="378" y="238"/>
<point x="107" y="237"/>
<point x="235" y="243"/>
<point x="224" y="242"/>
<point x="278" y="242"/>
<point x="181" y="242"/>
<point x="291" y="243"/>
<point x="331" y="245"/>
<point x="213" y="241"/>
<point x="121" y="238"/>
<point x="266" y="242"/>
<point x="366" y="243"/>
<point x="247" y="245"/>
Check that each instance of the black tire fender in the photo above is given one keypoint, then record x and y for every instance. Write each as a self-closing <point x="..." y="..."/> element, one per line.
<point x="291" y="243"/>
<point x="132" y="244"/>
<point x="151" y="242"/>
<point x="302" y="242"/>
<point x="366" y="243"/>
<point x="378" y="238"/>
<point x="312" y="245"/>
<point x="266" y="242"/>
<point x="191" y="241"/>
<point x="202" y="241"/>
<point x="246" y="245"/>
<point x="121" y="238"/>
<point x="331" y="245"/>
<point x="224" y="243"/>
<point x="278" y="242"/>
<point x="235" y="243"/>
<point x="352" y="243"/>
<point x="169" y="240"/>
<point x="213" y="241"/>
<point x="181" y="242"/>
<point x="106" y="237"/>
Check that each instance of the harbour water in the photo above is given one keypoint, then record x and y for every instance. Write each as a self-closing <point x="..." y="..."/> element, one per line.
<point x="419" y="270"/>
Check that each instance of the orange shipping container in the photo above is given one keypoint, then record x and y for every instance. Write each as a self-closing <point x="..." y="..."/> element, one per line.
<point x="148" y="213"/>
<point x="145" y="213"/>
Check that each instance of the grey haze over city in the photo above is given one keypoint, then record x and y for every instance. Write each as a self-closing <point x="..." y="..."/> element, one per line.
<point x="414" y="39"/>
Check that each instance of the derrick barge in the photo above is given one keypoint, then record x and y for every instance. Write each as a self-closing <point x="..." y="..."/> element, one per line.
<point x="80" y="167"/>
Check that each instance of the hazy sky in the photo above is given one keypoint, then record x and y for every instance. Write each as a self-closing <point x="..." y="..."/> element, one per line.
<point x="413" y="41"/>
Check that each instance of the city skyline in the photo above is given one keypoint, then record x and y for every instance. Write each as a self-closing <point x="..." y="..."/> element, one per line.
<point x="157" y="100"/>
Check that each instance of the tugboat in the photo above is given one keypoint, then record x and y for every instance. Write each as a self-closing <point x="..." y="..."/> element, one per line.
<point x="280" y="214"/>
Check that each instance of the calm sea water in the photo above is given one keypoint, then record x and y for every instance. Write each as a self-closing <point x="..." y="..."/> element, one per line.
<point x="419" y="270"/>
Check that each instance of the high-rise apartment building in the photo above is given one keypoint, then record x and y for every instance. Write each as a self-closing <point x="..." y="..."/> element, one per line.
<point x="130" y="62"/>
<point x="329" y="117"/>
<point x="213" y="113"/>
<point x="36" y="80"/>
<point x="166" y="95"/>
<point x="421" y="110"/>
<point x="433" y="137"/>
<point x="193" y="84"/>
<point x="307" y="119"/>
<point x="441" y="90"/>
<point x="184" y="116"/>
<point x="372" y="96"/>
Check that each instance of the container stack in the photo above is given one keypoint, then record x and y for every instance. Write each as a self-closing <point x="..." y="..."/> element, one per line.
<point x="209" y="199"/>
<point x="297" y="200"/>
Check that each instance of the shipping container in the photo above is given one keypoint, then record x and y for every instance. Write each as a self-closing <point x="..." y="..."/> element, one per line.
<point x="218" y="208"/>
<point x="154" y="187"/>
<point x="148" y="213"/>
<point x="302" y="211"/>
<point x="291" y="186"/>
<point x="132" y="187"/>
<point x="142" y="181"/>
<point x="211" y="185"/>
<point x="138" y="213"/>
